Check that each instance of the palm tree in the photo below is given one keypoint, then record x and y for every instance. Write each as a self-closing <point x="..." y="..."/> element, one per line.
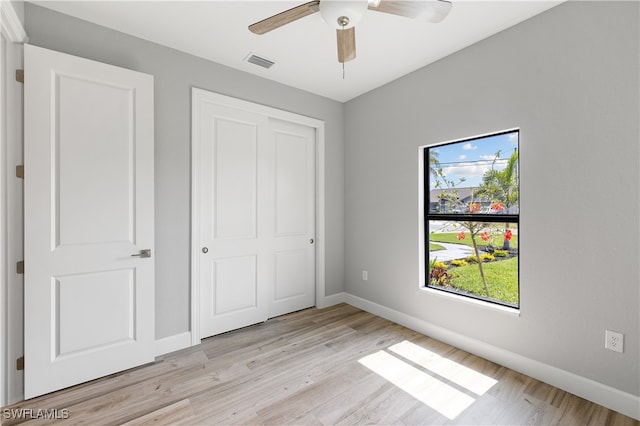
<point x="502" y="186"/>
<point x="434" y="164"/>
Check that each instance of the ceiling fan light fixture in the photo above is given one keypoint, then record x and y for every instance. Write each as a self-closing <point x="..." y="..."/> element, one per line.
<point x="333" y="10"/>
<point x="438" y="10"/>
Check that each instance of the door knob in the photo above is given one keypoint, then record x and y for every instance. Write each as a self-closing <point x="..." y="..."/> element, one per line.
<point x="205" y="250"/>
<point x="311" y="241"/>
<point x="143" y="253"/>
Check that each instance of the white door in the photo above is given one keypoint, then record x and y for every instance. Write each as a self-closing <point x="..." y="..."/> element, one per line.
<point x="256" y="196"/>
<point x="232" y="254"/>
<point x="293" y="205"/>
<point x="88" y="196"/>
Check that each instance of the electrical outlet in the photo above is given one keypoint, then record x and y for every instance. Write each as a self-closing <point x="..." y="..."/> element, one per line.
<point x="614" y="341"/>
<point x="365" y="275"/>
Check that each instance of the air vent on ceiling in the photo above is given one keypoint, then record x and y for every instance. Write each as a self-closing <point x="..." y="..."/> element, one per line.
<point x="257" y="60"/>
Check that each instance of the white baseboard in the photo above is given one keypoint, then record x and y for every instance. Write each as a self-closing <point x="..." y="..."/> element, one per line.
<point x="601" y="394"/>
<point x="173" y="343"/>
<point x="331" y="300"/>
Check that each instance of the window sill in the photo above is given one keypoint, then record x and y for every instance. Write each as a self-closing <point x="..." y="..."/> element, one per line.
<point x="475" y="302"/>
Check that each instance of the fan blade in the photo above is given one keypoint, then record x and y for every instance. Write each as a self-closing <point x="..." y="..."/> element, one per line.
<point x="286" y="17"/>
<point x="425" y="10"/>
<point x="346" y="44"/>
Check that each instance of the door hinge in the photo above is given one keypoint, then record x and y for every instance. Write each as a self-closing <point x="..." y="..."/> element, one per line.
<point x="20" y="363"/>
<point x="20" y="267"/>
<point x="20" y="171"/>
<point x="20" y="76"/>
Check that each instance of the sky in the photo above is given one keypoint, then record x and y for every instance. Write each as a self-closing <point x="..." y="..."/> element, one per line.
<point x="471" y="158"/>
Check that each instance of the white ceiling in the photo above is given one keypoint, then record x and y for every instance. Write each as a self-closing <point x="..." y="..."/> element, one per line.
<point x="388" y="46"/>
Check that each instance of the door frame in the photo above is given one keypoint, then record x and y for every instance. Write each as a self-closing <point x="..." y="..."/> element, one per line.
<point x="11" y="334"/>
<point x="197" y="96"/>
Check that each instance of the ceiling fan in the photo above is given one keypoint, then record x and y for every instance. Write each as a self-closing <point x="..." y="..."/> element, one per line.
<point x="343" y="15"/>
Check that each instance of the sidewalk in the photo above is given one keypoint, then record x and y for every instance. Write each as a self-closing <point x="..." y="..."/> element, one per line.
<point x="451" y="251"/>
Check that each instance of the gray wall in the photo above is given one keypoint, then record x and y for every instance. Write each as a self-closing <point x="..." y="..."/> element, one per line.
<point x="175" y="73"/>
<point x="569" y="79"/>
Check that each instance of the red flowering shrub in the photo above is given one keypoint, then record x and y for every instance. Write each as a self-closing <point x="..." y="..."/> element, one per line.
<point x="498" y="206"/>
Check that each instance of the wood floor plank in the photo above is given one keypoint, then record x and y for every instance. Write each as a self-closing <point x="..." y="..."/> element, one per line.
<point x="312" y="368"/>
<point x="262" y="388"/>
<point x="299" y="347"/>
<point x="127" y="403"/>
<point x="511" y="385"/>
<point x="486" y="407"/>
<point x="91" y="392"/>
<point x="343" y="404"/>
<point x="259" y="388"/>
<point x="291" y="409"/>
<point x="180" y="411"/>
<point x="385" y="409"/>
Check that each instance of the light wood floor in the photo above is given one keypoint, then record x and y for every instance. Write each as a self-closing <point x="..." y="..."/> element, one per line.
<point x="338" y="365"/>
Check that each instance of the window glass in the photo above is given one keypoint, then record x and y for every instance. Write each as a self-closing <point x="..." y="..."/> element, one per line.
<point x="472" y="217"/>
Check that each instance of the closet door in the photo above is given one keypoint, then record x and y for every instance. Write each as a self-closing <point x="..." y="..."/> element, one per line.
<point x="254" y="180"/>
<point x="233" y="254"/>
<point x="293" y="203"/>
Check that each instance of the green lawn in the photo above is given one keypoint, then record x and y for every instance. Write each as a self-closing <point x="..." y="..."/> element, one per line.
<point x="452" y="237"/>
<point x="502" y="280"/>
<point x="435" y="247"/>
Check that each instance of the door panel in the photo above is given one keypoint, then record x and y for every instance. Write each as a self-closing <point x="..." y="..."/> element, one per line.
<point x="88" y="195"/>
<point x="93" y="168"/>
<point x="291" y="184"/>
<point x="234" y="183"/>
<point x="229" y="181"/>
<point x="234" y="284"/>
<point x="108" y="298"/>
<point x="294" y="205"/>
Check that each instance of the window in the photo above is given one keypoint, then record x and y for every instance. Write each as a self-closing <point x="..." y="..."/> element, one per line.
<point x="472" y="217"/>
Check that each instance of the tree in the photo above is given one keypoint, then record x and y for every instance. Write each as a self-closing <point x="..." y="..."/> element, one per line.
<point x="434" y="164"/>
<point x="501" y="187"/>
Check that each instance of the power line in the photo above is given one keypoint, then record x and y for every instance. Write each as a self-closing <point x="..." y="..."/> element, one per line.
<point x="499" y="160"/>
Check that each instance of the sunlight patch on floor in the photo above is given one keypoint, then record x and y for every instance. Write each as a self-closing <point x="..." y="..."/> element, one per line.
<point x="466" y="377"/>
<point x="429" y="390"/>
